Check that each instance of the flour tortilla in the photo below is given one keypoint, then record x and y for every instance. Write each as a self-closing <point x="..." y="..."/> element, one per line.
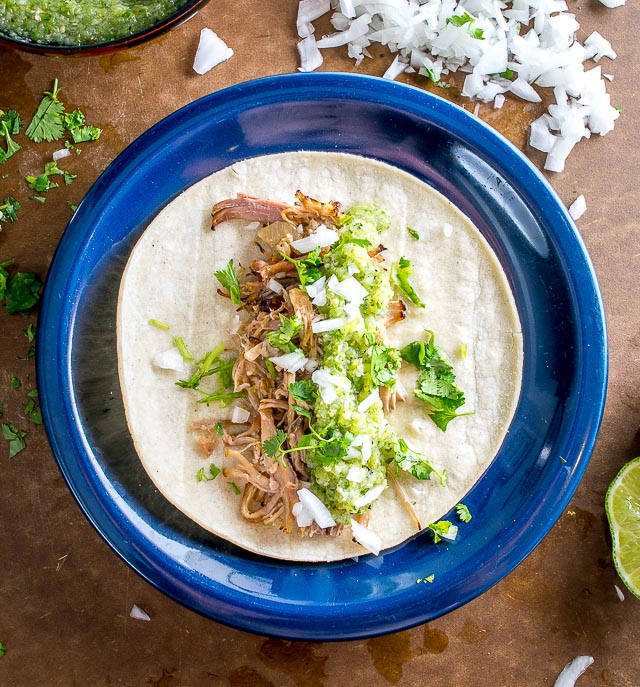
<point x="169" y="277"/>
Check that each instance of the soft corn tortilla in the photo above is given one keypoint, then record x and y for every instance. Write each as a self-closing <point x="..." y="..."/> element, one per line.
<point x="169" y="277"/>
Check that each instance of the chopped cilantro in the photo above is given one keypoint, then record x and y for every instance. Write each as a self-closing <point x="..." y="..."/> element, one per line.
<point x="234" y="488"/>
<point x="160" y="325"/>
<point x="219" y="428"/>
<point x="202" y="476"/>
<point x="385" y="363"/>
<point x="463" y="512"/>
<point x="72" y="206"/>
<point x="224" y="397"/>
<point x="3" y="649"/>
<point x="229" y="280"/>
<point x="436" y="384"/>
<point x="271" y="369"/>
<point x="30" y="333"/>
<point x="429" y="579"/>
<point x="42" y="182"/>
<point x="47" y="123"/>
<point x="1" y="409"/>
<point x="440" y="529"/>
<point x="21" y="292"/>
<point x="414" y="234"/>
<point x="204" y="368"/>
<point x="179" y="343"/>
<point x="40" y="199"/>
<point x="310" y="268"/>
<point x="281" y="338"/>
<point x="462" y="350"/>
<point x="15" y="383"/>
<point x="460" y="19"/>
<point x="304" y="391"/>
<point x="15" y="437"/>
<point x="8" y="209"/>
<point x="273" y="445"/>
<point x="10" y="124"/>
<point x="400" y="274"/>
<point x="31" y="409"/>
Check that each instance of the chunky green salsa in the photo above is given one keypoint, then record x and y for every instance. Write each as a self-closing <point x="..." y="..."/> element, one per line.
<point x="81" y="22"/>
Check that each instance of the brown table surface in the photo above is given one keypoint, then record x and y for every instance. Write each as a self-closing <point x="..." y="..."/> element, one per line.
<point x="65" y="596"/>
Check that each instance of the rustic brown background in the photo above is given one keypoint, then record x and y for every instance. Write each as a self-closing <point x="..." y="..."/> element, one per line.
<point x="65" y="597"/>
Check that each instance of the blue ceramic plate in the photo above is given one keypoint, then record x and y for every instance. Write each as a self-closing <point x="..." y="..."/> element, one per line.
<point x="520" y="496"/>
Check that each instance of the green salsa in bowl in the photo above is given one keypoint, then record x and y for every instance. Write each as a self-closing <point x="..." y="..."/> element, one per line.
<point x="88" y="26"/>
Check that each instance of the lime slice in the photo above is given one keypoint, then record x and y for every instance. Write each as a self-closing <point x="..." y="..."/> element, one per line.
<point x="622" y="504"/>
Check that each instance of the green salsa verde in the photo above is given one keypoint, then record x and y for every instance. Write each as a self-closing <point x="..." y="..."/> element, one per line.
<point x="81" y="22"/>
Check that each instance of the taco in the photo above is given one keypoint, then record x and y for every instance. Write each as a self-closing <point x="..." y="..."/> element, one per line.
<point x="336" y="356"/>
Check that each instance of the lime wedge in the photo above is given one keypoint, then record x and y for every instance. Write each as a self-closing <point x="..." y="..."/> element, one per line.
<point x="622" y="504"/>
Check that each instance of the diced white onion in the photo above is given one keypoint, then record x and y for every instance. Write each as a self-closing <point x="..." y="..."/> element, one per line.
<point x="170" y="360"/>
<point x="397" y="67"/>
<point x="369" y="497"/>
<point x="310" y="57"/>
<point x="330" y="325"/>
<point x="308" y="11"/>
<point x="366" y="403"/>
<point x="302" y="515"/>
<point x="212" y="50"/>
<point x="240" y="415"/>
<point x="316" y="288"/>
<point x="451" y="534"/>
<point x="275" y="286"/>
<point x="365" y="537"/>
<point x="357" y="29"/>
<point x="138" y="614"/>
<point x="291" y="362"/>
<point x="350" y="289"/>
<point x="578" y="207"/>
<point x="322" y="237"/>
<point x="313" y="505"/>
<point x="329" y="384"/>
<point x="498" y="101"/>
<point x="572" y="671"/>
<point x="619" y="592"/>
<point x="59" y="154"/>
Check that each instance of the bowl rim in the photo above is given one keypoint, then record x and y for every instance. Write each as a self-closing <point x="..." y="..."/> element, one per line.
<point x="277" y="89"/>
<point x="181" y="15"/>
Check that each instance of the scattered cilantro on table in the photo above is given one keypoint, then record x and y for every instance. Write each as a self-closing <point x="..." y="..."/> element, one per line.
<point x="10" y="124"/>
<point x="3" y="649"/>
<point x="15" y="437"/>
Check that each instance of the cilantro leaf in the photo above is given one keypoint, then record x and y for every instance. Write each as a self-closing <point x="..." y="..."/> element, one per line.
<point x="15" y="383"/>
<point x="385" y="363"/>
<point x="3" y="649"/>
<point x="436" y="385"/>
<point x="202" y="476"/>
<point x="310" y="268"/>
<point x="31" y="410"/>
<point x="86" y="134"/>
<point x="43" y="183"/>
<point x="15" y="437"/>
<point x="10" y="124"/>
<point x="463" y="512"/>
<point x="229" y="280"/>
<point x="47" y="123"/>
<point x="281" y="338"/>
<point x="415" y="463"/>
<point x="204" y="368"/>
<point x="304" y="391"/>
<point x="465" y="18"/>
<point x="273" y="445"/>
<point x="22" y="292"/>
<point x="400" y="274"/>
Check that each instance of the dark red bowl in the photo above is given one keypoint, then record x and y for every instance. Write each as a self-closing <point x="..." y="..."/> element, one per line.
<point x="188" y="10"/>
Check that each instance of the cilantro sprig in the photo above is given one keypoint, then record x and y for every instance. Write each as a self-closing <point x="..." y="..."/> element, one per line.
<point x="47" y="123"/>
<point x="310" y="268"/>
<point x="43" y="183"/>
<point x="10" y="125"/>
<point x="281" y="338"/>
<point x="208" y="476"/>
<point x="21" y="291"/>
<point x="15" y="437"/>
<point x="436" y="385"/>
<point x="229" y="280"/>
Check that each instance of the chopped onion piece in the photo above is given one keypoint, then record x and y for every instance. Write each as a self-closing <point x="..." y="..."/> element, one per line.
<point x="212" y="50"/>
<point x="330" y="325"/>
<point x="578" y="207"/>
<point x="316" y="288"/>
<point x="308" y="11"/>
<point x="451" y="534"/>
<point x="329" y="384"/>
<point x="365" y="537"/>
<point x="291" y="362"/>
<point x="397" y="67"/>
<point x="357" y="29"/>
<point x="350" y="289"/>
<point x="370" y="496"/>
<point x="275" y="286"/>
<point x="322" y="237"/>
<point x="619" y="592"/>
<point x="240" y="415"/>
<point x="302" y="515"/>
<point x="365" y="404"/>
<point x="572" y="671"/>
<point x="316" y="508"/>
<point x="170" y="360"/>
<point x="613" y="3"/>
<point x="310" y="57"/>
<point x="498" y="101"/>
<point x="59" y="154"/>
<point x="138" y="614"/>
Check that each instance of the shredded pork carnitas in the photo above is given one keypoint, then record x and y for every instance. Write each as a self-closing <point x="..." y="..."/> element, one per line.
<point x="270" y="288"/>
